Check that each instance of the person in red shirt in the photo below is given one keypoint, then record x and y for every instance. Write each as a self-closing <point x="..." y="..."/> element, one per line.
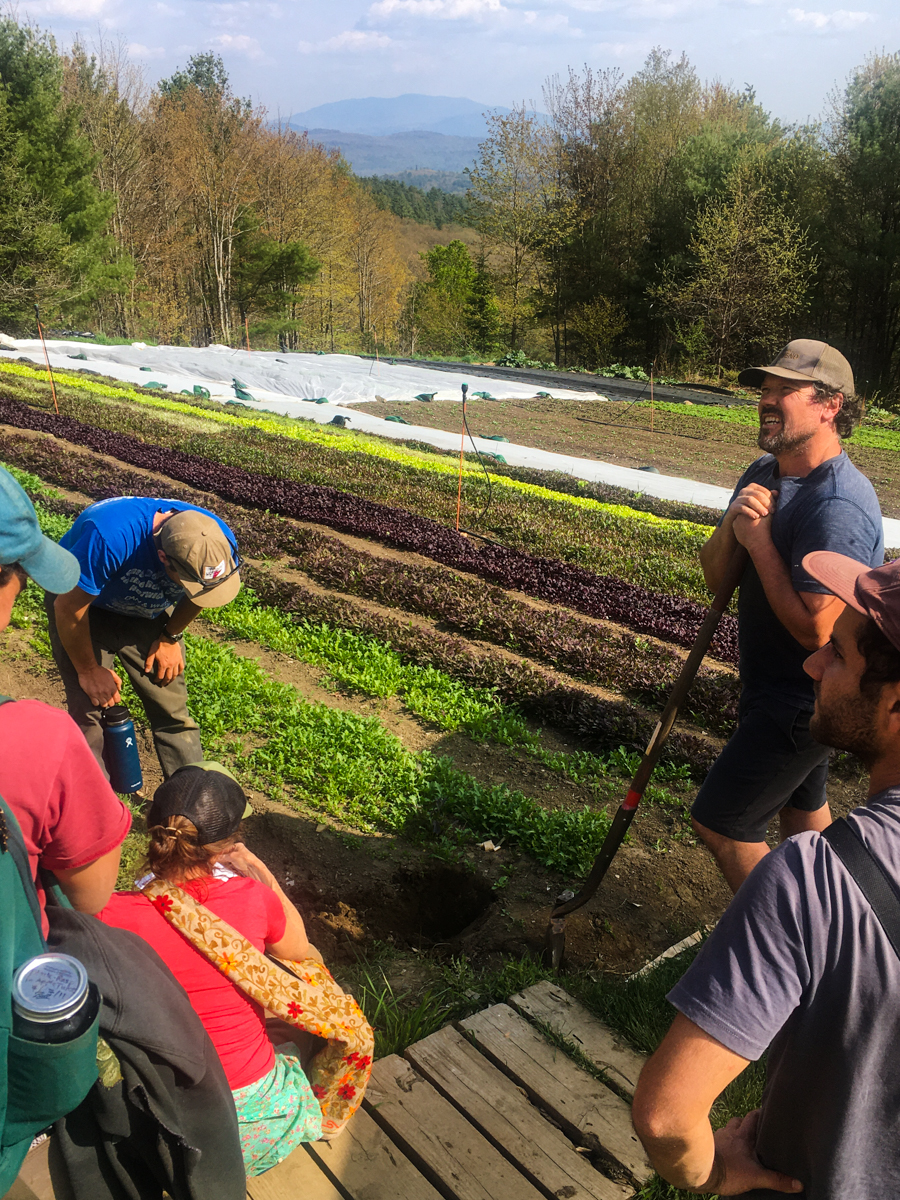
<point x="194" y="822"/>
<point x="72" y="822"/>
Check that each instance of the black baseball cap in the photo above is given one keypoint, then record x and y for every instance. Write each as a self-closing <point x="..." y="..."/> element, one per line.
<point x="208" y="795"/>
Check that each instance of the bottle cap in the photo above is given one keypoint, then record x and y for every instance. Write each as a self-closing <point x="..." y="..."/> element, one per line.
<point x="116" y="714"/>
<point x="49" y="987"/>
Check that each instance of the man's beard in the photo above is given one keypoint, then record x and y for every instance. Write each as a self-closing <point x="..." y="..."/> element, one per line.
<point x="782" y="442"/>
<point x="848" y="725"/>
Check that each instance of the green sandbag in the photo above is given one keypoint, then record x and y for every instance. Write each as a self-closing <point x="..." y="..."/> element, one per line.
<point x="184" y="393"/>
<point x="322" y="400"/>
<point x="82" y="357"/>
<point x="202" y="392"/>
<point x="145" y="368"/>
<point x="152" y="383"/>
<point x="426" y="395"/>
<point x="496" y="437"/>
<point x="484" y="395"/>
<point x="243" y="394"/>
<point x="397" y="420"/>
<point x="490" y="454"/>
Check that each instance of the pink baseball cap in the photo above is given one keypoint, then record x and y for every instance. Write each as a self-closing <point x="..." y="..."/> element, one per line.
<point x="873" y="592"/>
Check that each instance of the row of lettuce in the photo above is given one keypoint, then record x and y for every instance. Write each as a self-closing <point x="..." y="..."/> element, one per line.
<point x="318" y="758"/>
<point x="553" y="580"/>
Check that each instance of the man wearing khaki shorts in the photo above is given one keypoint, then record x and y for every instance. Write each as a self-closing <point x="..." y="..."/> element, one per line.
<point x="148" y="567"/>
<point x="803" y="495"/>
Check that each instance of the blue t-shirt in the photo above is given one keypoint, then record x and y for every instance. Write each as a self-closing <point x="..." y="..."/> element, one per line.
<point x="113" y="542"/>
<point x="834" y="508"/>
<point x="800" y="962"/>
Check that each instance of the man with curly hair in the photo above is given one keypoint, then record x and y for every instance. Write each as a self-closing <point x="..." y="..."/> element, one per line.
<point x="802" y="495"/>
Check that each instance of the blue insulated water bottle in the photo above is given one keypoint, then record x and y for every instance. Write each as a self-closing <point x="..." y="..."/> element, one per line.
<point x="120" y="750"/>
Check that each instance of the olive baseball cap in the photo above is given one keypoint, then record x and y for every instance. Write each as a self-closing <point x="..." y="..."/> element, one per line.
<point x="807" y="362"/>
<point x="873" y="592"/>
<point x="207" y="794"/>
<point x="201" y="556"/>
<point x="21" y="541"/>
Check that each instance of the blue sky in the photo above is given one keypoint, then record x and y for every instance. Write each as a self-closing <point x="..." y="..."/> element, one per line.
<point x="294" y="54"/>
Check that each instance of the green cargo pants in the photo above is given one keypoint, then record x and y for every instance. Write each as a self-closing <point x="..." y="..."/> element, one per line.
<point x="176" y="734"/>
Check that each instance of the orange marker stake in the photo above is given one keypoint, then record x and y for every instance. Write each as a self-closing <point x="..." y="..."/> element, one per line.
<point x="247" y="332"/>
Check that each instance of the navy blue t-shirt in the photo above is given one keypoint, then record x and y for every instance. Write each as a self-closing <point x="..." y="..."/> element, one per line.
<point x="800" y="962"/>
<point x="834" y="508"/>
<point x="113" y="542"/>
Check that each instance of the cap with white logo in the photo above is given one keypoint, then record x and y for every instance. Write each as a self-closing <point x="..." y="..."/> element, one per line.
<point x="200" y="554"/>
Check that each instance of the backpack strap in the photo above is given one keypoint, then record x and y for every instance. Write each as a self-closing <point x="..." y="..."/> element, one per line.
<point x="871" y="878"/>
<point x="13" y="844"/>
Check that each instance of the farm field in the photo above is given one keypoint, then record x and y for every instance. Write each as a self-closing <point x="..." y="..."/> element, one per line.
<point x="395" y="695"/>
<point x="706" y="443"/>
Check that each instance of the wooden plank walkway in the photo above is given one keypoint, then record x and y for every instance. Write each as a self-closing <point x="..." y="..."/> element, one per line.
<point x="489" y="1110"/>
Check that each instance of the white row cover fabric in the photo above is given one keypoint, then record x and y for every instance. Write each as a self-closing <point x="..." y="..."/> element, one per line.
<point x="342" y="378"/>
<point x="218" y="365"/>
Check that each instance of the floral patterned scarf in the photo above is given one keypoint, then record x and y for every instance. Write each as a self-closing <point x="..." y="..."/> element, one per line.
<point x="302" y="993"/>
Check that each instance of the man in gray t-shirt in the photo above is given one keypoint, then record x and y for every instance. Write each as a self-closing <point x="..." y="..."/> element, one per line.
<point x="803" y="495"/>
<point x="800" y="963"/>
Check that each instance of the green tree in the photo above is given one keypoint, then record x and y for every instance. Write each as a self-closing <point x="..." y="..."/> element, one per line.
<point x="861" y="284"/>
<point x="34" y="251"/>
<point x="266" y="274"/>
<point x="55" y="158"/>
<point x="446" y="312"/>
<point x="750" y="273"/>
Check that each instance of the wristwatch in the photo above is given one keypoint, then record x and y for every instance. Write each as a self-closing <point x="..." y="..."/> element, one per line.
<point x="172" y="638"/>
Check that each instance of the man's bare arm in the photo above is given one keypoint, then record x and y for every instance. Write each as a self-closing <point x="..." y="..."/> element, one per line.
<point x="675" y="1092"/>
<point x="72" y="612"/>
<point x="807" y="616"/>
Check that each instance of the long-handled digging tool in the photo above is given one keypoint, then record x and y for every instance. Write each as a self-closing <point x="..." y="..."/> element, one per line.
<point x="567" y="903"/>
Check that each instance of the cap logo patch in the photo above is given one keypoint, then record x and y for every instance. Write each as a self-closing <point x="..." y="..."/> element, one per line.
<point x="210" y="573"/>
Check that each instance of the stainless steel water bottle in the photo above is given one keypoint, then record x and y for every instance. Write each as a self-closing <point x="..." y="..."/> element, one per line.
<point x="52" y="999"/>
<point x="120" y="750"/>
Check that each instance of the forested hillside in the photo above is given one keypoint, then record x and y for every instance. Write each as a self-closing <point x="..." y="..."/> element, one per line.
<point x="655" y="218"/>
<point x="433" y="207"/>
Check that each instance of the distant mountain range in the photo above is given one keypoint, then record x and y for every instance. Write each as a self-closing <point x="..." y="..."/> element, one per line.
<point x="378" y="116"/>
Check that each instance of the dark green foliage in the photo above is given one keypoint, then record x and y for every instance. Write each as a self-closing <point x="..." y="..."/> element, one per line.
<point x="434" y="207"/>
<point x="49" y="202"/>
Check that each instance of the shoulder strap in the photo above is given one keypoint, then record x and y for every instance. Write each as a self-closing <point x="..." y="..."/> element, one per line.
<point x="12" y="843"/>
<point x="873" y="881"/>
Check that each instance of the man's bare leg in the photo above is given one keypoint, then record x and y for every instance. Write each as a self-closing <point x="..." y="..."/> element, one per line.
<point x="795" y="820"/>
<point x="735" y="859"/>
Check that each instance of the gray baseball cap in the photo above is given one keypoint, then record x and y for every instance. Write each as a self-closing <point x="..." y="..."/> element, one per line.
<point x="807" y="362"/>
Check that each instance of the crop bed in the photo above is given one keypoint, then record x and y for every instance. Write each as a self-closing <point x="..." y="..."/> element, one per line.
<point x="416" y="691"/>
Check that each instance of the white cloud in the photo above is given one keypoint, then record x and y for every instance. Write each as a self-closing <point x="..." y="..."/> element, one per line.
<point x="438" y="10"/>
<point x="139" y="50"/>
<point x="239" y="43"/>
<point x="353" y="40"/>
<point x="840" y="21"/>
<point x="75" y="10"/>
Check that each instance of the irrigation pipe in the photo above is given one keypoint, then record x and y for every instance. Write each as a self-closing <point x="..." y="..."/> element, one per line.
<point x="568" y="903"/>
<point x="47" y="358"/>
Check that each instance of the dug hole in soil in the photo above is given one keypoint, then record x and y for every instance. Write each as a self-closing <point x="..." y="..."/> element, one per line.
<point x="361" y="891"/>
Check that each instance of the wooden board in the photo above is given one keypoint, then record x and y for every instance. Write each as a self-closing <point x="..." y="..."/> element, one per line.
<point x="587" y="1110"/>
<point x="550" y="1004"/>
<point x="508" y="1119"/>
<point x="449" y="1151"/>
<point x="299" y="1177"/>
<point x="364" y="1164"/>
